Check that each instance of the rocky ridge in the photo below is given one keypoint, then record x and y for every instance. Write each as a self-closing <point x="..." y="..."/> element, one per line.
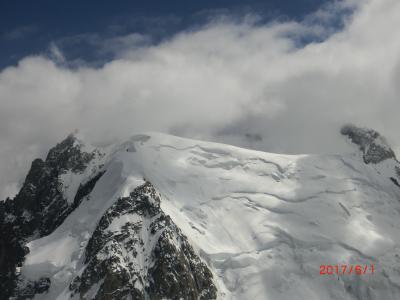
<point x="137" y="252"/>
<point x="38" y="209"/>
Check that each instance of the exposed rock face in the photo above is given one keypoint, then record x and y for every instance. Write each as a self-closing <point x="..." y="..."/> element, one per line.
<point x="28" y="289"/>
<point x="38" y="209"/>
<point x="137" y="252"/>
<point x="374" y="147"/>
<point x="12" y="252"/>
<point x="40" y="205"/>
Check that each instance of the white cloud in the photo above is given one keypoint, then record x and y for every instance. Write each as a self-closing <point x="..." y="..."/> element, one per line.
<point x="219" y="82"/>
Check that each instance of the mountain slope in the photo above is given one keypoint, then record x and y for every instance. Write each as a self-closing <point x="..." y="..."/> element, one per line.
<point x="238" y="224"/>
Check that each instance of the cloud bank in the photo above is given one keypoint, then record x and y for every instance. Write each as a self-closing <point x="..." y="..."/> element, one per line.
<point x="238" y="82"/>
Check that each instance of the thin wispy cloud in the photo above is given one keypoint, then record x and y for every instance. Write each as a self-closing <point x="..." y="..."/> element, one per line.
<point x="20" y="32"/>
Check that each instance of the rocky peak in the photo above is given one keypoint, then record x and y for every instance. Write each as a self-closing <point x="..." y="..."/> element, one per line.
<point x="137" y="252"/>
<point x="374" y="147"/>
<point x="69" y="155"/>
<point x="39" y="208"/>
<point x="40" y="204"/>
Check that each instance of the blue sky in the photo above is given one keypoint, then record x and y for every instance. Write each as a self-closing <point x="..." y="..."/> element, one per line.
<point x="30" y="27"/>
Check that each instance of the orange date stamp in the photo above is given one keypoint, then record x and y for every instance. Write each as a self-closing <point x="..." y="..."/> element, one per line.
<point x="346" y="269"/>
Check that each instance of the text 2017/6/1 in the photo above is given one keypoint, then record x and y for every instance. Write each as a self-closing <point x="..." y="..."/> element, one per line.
<point x="346" y="269"/>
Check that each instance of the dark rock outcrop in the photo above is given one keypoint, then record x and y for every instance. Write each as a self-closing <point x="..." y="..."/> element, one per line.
<point x="31" y="288"/>
<point x="40" y="206"/>
<point x="137" y="252"/>
<point x="38" y="209"/>
<point x="374" y="147"/>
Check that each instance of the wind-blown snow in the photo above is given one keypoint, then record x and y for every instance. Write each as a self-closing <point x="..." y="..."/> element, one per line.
<point x="263" y="222"/>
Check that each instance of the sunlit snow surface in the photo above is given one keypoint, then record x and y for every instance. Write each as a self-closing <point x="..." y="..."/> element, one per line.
<point x="263" y="222"/>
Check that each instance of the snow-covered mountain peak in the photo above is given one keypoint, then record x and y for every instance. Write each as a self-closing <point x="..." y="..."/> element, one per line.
<point x="158" y="210"/>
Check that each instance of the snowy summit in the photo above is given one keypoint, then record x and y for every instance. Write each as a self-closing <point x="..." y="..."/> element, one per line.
<point x="162" y="217"/>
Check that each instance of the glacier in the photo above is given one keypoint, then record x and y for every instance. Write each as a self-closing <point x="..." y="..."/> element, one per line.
<point x="262" y="223"/>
